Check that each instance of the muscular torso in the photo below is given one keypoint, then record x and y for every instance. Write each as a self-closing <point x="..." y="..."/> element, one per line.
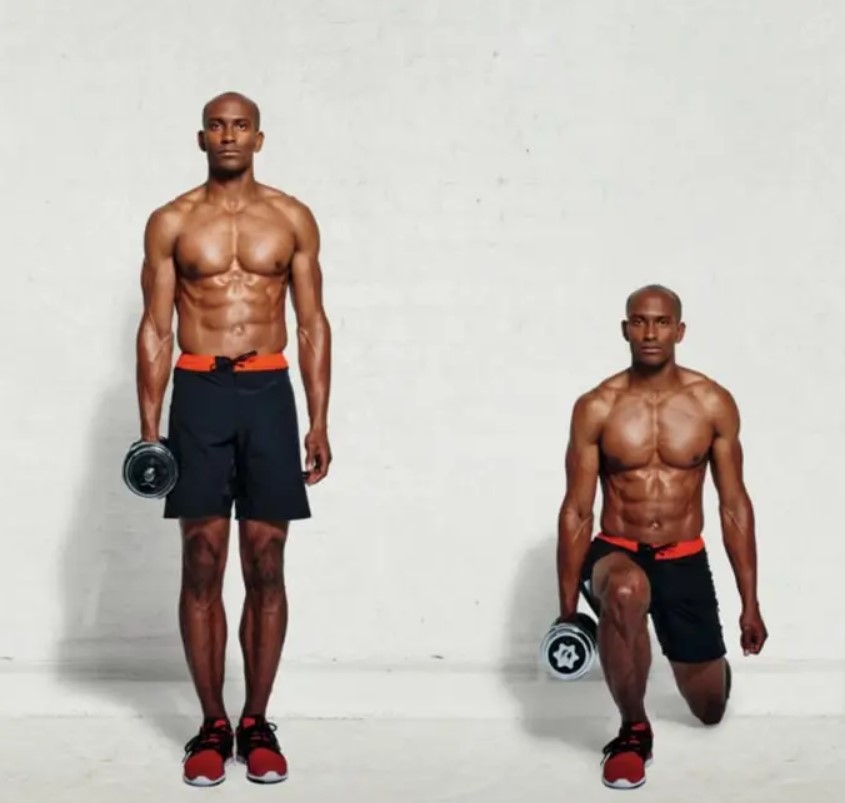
<point x="233" y="267"/>
<point x="654" y="448"/>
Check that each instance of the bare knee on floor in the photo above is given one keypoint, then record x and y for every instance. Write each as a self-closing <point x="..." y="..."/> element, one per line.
<point x="706" y="689"/>
<point x="709" y="710"/>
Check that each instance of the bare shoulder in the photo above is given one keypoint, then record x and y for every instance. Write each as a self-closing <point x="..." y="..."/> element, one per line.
<point x="594" y="405"/>
<point x="295" y="210"/>
<point x="167" y="219"/>
<point x="717" y="401"/>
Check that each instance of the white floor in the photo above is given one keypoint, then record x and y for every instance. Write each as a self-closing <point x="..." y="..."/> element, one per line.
<point x="124" y="759"/>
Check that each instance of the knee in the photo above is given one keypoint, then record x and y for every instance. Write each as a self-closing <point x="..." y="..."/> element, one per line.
<point x="203" y="566"/>
<point x="626" y="593"/>
<point x="710" y="711"/>
<point x="264" y="570"/>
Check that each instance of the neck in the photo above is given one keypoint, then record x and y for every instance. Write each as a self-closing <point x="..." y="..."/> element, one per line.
<point x="231" y="188"/>
<point x="658" y="378"/>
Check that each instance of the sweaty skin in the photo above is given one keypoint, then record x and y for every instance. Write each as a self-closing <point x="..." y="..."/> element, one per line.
<point x="648" y="435"/>
<point x="223" y="257"/>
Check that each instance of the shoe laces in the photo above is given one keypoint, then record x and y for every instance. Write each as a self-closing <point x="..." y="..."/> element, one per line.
<point x="632" y="738"/>
<point x="261" y="734"/>
<point x="210" y="737"/>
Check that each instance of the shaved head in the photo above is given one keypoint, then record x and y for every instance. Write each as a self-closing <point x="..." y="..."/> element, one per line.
<point x="254" y="111"/>
<point x="655" y="289"/>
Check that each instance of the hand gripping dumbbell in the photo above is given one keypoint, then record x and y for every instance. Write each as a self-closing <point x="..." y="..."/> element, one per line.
<point x="150" y="469"/>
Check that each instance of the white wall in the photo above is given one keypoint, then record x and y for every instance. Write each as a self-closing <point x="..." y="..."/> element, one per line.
<point x="491" y="180"/>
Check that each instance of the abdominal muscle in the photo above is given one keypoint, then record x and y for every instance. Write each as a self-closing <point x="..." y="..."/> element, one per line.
<point x="232" y="314"/>
<point x="655" y="505"/>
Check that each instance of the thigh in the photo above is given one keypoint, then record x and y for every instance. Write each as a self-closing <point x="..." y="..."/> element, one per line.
<point x="271" y="486"/>
<point x="201" y="437"/>
<point x="685" y="610"/>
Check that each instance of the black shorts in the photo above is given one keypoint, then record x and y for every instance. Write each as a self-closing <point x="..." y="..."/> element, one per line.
<point x="233" y="430"/>
<point x="684" y="608"/>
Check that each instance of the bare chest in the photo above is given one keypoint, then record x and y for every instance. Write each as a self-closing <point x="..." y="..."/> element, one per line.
<point x="650" y="431"/>
<point x="216" y="242"/>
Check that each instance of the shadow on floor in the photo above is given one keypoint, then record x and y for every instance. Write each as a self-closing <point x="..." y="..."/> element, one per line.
<point x="119" y="581"/>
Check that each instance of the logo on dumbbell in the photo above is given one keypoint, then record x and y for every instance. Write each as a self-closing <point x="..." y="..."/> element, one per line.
<point x="150" y="469"/>
<point x="566" y="657"/>
<point x="569" y="649"/>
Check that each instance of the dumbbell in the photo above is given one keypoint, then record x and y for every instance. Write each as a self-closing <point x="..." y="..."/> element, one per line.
<point x="569" y="649"/>
<point x="150" y="469"/>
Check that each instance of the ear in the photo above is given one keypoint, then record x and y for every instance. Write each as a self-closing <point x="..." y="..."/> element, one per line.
<point x="625" y="331"/>
<point x="259" y="141"/>
<point x="201" y="141"/>
<point x="682" y="328"/>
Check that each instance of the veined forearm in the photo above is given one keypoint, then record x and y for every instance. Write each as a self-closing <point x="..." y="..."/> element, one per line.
<point x="315" y="366"/>
<point x="154" y="361"/>
<point x="574" y="534"/>
<point x="740" y="544"/>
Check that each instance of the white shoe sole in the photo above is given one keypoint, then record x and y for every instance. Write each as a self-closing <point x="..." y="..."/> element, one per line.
<point x="268" y="777"/>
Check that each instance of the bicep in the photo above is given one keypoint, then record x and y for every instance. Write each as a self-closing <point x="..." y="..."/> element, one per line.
<point x="158" y="273"/>
<point x="726" y="456"/>
<point x="306" y="273"/>
<point x="582" y="460"/>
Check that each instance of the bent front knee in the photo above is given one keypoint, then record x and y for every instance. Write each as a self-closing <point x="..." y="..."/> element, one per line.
<point x="626" y="594"/>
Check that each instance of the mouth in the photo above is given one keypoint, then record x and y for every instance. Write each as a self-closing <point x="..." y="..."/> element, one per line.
<point x="651" y="349"/>
<point x="228" y="153"/>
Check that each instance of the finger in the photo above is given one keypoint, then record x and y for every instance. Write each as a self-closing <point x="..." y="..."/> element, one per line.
<point x="322" y="465"/>
<point x="309" y="456"/>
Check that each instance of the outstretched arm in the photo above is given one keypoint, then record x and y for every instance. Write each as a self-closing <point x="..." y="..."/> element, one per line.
<point x="575" y="521"/>
<point x="314" y="340"/>
<point x="154" y="345"/>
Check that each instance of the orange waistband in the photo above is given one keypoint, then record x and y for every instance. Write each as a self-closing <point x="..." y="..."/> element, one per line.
<point x="247" y="362"/>
<point x="678" y="549"/>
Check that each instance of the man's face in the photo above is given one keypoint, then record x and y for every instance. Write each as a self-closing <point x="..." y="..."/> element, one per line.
<point x="652" y="329"/>
<point x="229" y="136"/>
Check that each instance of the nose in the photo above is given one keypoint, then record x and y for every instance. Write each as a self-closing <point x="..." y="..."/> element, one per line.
<point x="228" y="134"/>
<point x="650" y="331"/>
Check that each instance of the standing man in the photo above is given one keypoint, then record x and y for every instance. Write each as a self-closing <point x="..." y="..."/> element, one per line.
<point x="649" y="433"/>
<point x="223" y="256"/>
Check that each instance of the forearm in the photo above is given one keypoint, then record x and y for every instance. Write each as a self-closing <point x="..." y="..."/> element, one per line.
<point x="574" y="531"/>
<point x="154" y="360"/>
<point x="737" y="519"/>
<point x="315" y="367"/>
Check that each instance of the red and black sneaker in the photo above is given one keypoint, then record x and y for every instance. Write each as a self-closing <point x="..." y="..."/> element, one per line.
<point x="258" y="748"/>
<point x="627" y="756"/>
<point x="208" y="753"/>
